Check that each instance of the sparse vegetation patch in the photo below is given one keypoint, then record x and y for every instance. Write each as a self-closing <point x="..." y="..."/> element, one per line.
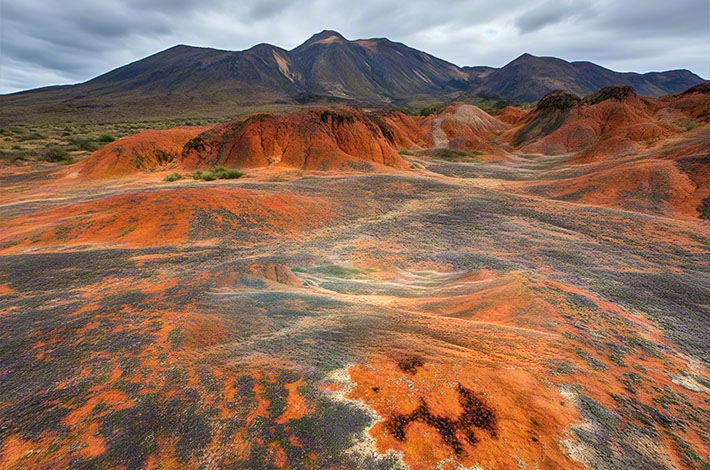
<point x="173" y="177"/>
<point x="57" y="154"/>
<point x="217" y="173"/>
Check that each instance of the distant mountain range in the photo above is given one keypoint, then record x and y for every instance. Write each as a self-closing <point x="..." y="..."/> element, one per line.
<point x="192" y="81"/>
<point x="529" y="78"/>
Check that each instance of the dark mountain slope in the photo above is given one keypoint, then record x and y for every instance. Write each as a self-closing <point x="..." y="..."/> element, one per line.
<point x="186" y="81"/>
<point x="528" y="78"/>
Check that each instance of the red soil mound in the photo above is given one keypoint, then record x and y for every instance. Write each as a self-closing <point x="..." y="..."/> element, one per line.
<point x="408" y="132"/>
<point x="465" y="127"/>
<point x="169" y="216"/>
<point x="649" y="186"/>
<point x="512" y="115"/>
<point x="317" y="139"/>
<point x="694" y="102"/>
<point x="151" y="150"/>
<point x="673" y="179"/>
<point x="613" y="122"/>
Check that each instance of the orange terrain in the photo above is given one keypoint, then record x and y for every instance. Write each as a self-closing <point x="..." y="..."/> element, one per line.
<point x="378" y="290"/>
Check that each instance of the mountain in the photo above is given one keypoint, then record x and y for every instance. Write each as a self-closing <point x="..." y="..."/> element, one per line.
<point x="186" y="81"/>
<point x="192" y="81"/>
<point x="372" y="69"/>
<point x="528" y="78"/>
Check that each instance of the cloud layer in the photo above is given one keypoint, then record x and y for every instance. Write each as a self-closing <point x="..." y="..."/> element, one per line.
<point x="45" y="43"/>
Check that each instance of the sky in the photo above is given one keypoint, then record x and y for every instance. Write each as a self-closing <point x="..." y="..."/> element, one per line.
<point x="49" y="42"/>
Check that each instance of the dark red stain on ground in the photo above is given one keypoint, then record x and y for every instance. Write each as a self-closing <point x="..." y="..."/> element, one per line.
<point x="475" y="414"/>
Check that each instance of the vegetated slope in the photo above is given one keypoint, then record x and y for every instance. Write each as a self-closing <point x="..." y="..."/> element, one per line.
<point x="528" y="78"/>
<point x="151" y="150"/>
<point x="196" y="81"/>
<point x="317" y="139"/>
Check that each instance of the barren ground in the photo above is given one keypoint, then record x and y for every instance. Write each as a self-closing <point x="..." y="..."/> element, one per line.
<point x="430" y="318"/>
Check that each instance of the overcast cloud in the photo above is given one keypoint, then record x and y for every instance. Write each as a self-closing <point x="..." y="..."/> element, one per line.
<point x="47" y="42"/>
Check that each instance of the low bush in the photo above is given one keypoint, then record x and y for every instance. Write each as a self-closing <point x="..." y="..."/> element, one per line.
<point x="172" y="177"/>
<point x="84" y="143"/>
<point x="689" y="126"/>
<point x="57" y="154"/>
<point x="106" y="138"/>
<point x="218" y="172"/>
<point x="30" y="136"/>
<point x="429" y="110"/>
<point x="455" y="155"/>
<point x="204" y="175"/>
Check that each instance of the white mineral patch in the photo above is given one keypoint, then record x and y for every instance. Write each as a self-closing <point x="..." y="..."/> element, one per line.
<point x="689" y="383"/>
<point x="364" y="448"/>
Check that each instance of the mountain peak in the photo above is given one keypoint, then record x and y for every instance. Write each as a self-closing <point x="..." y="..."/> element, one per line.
<point x="326" y="36"/>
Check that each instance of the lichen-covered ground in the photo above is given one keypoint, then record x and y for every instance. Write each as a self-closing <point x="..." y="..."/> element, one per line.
<point x="421" y="318"/>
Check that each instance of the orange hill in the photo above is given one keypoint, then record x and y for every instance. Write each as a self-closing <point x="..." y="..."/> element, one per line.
<point x="151" y="150"/>
<point x="616" y="134"/>
<point x="465" y="127"/>
<point x="694" y="102"/>
<point x="612" y="122"/>
<point x="316" y="139"/>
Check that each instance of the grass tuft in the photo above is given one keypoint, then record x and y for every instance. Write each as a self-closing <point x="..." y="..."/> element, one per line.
<point x="217" y="173"/>
<point x="172" y="177"/>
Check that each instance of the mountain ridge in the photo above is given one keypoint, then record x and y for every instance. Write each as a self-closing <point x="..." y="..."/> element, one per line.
<point x="327" y="68"/>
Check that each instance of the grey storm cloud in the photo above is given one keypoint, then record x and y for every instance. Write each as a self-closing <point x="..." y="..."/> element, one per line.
<point x="552" y="12"/>
<point x="49" y="42"/>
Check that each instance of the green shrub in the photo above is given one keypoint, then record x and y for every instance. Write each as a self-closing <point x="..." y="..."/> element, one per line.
<point x="455" y="155"/>
<point x="57" y="154"/>
<point x="172" y="177"/>
<point x="30" y="136"/>
<point x="429" y="110"/>
<point x="689" y="126"/>
<point x="203" y="175"/>
<point x="405" y="152"/>
<point x="106" y="138"/>
<point x="218" y="172"/>
<point x="84" y="143"/>
<point x="227" y="173"/>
